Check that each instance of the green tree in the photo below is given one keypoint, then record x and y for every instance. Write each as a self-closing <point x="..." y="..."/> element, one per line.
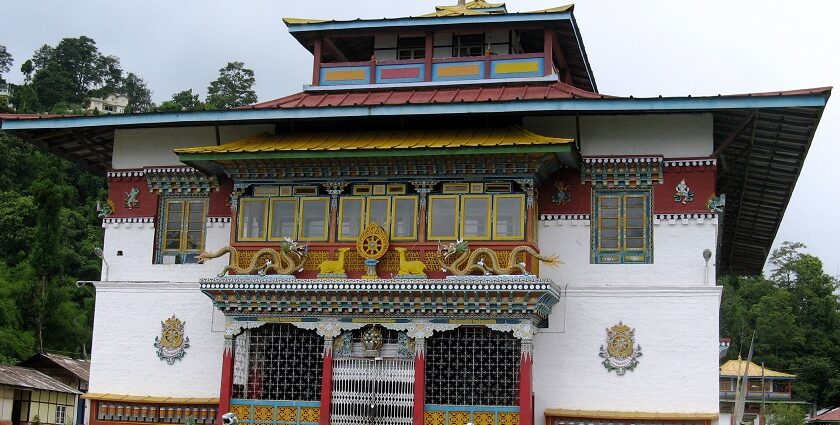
<point x="27" y="68"/>
<point x="785" y="414"/>
<point x="233" y="88"/>
<point x="139" y="95"/>
<point x="182" y="101"/>
<point x="5" y="62"/>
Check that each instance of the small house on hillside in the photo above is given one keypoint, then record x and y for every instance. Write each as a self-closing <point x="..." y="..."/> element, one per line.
<point x="67" y="370"/>
<point x="28" y="396"/>
<point x="763" y="384"/>
<point x="827" y="417"/>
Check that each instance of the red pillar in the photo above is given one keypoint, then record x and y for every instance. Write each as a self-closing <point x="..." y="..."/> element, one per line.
<point x="419" y="380"/>
<point x="526" y="404"/>
<point x="326" y="383"/>
<point x="227" y="380"/>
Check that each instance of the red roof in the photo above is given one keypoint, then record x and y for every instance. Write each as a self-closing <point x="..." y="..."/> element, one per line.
<point x="429" y="95"/>
<point x="7" y="116"/>
<point x="831" y="415"/>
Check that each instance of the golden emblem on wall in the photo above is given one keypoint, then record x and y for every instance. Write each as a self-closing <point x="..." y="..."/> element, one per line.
<point x="372" y="245"/>
<point x="172" y="343"/>
<point x="621" y="352"/>
<point x="372" y="341"/>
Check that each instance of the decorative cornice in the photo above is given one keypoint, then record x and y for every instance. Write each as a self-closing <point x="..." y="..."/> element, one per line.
<point x="557" y="217"/>
<point x="129" y="221"/>
<point x="631" y="171"/>
<point x="623" y="160"/>
<point x="457" y="299"/>
<point x="631" y="291"/>
<point x="180" y="181"/>
<point x="696" y="162"/>
<point x="218" y="219"/>
<point x="124" y="173"/>
<point x="686" y="218"/>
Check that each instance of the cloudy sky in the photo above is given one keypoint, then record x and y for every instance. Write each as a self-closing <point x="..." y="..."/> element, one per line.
<point x="640" y="48"/>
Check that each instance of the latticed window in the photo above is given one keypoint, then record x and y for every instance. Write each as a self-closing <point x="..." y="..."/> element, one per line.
<point x="472" y="366"/>
<point x="622" y="230"/>
<point x="182" y="232"/>
<point x="278" y="362"/>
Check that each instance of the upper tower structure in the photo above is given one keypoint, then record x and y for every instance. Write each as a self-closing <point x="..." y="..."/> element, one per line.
<point x="473" y="42"/>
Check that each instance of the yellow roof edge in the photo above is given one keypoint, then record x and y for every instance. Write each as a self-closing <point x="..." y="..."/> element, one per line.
<point x="149" y="399"/>
<point x="733" y="368"/>
<point x="613" y="414"/>
<point x="299" y="21"/>
<point x="557" y="9"/>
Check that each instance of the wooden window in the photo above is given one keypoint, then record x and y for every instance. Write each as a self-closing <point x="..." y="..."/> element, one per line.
<point x="378" y="210"/>
<point x="464" y="45"/>
<point x="623" y="227"/>
<point x="404" y="218"/>
<point x="283" y="218"/>
<point x="475" y="217"/>
<point x="411" y="48"/>
<point x="443" y="217"/>
<point x="315" y="217"/>
<point x="60" y="413"/>
<point x="350" y="214"/>
<point x="509" y="217"/>
<point x="253" y="219"/>
<point x="183" y="230"/>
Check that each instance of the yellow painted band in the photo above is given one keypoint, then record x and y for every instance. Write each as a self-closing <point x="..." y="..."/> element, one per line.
<point x="358" y="74"/>
<point x="458" y="70"/>
<point x="515" y="67"/>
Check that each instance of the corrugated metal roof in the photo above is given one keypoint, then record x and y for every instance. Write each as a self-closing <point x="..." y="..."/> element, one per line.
<point x="469" y="9"/>
<point x="80" y="368"/>
<point x="735" y="368"/>
<point x="430" y="95"/>
<point x="381" y="140"/>
<point x="24" y="377"/>
<point x="832" y="415"/>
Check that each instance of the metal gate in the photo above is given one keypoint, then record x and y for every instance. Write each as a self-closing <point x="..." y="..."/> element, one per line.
<point x="372" y="391"/>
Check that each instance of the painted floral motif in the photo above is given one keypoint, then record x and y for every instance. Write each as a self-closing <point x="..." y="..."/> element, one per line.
<point x="683" y="193"/>
<point x="343" y="345"/>
<point x="131" y="201"/>
<point x="620" y="354"/>
<point x="562" y="193"/>
<point x="172" y="343"/>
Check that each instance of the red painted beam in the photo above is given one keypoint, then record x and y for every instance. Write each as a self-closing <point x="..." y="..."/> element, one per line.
<point x="419" y="387"/>
<point x="225" y="391"/>
<point x="526" y="403"/>
<point x="326" y="386"/>
<point x="430" y="52"/>
<point x="316" y="68"/>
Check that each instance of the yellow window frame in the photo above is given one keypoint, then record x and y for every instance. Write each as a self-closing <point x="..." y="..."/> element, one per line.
<point x="295" y="221"/>
<point x="488" y="217"/>
<point x="643" y="218"/>
<point x="366" y="215"/>
<point x="395" y="200"/>
<point x="340" y="220"/>
<point x="521" y="234"/>
<point x="313" y="199"/>
<point x="184" y="225"/>
<point x="242" y="203"/>
<point x="430" y="215"/>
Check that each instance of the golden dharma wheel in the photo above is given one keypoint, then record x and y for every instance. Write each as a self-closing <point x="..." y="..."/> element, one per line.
<point x="372" y="242"/>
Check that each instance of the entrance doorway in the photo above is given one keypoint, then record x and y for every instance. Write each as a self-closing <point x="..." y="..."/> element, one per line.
<point x="372" y="391"/>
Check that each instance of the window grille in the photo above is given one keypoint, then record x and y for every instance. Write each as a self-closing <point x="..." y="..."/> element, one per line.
<point x="278" y="362"/>
<point x="472" y="366"/>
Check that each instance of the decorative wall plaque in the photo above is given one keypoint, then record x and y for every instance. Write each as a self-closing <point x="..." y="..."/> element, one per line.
<point x="620" y="353"/>
<point x="683" y="193"/>
<point x="172" y="343"/>
<point x="131" y="201"/>
<point x="562" y="193"/>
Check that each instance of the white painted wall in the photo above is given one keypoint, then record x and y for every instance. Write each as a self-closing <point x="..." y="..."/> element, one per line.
<point x="126" y="322"/>
<point x="677" y="255"/>
<point x="676" y="327"/>
<point x="7" y="397"/>
<point x="669" y="135"/>
<point x="137" y="241"/>
<point x="145" y="147"/>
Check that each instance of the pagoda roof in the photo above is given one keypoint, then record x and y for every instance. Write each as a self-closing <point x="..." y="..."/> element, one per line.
<point x="735" y="368"/>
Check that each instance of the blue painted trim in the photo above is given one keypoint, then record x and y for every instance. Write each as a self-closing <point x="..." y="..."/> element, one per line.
<point x="428" y="21"/>
<point x="325" y="82"/>
<point x="540" y="68"/>
<point x="419" y="78"/>
<point x="650" y="105"/>
<point x="454" y="408"/>
<point x="436" y="67"/>
<point x="426" y="84"/>
<point x="582" y="50"/>
<point x="285" y="403"/>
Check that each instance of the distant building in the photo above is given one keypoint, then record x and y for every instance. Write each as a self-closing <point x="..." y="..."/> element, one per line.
<point x="827" y="417"/>
<point x="765" y="385"/>
<point x="67" y="370"/>
<point x="112" y="104"/>
<point x="28" y="396"/>
<point x="5" y="94"/>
